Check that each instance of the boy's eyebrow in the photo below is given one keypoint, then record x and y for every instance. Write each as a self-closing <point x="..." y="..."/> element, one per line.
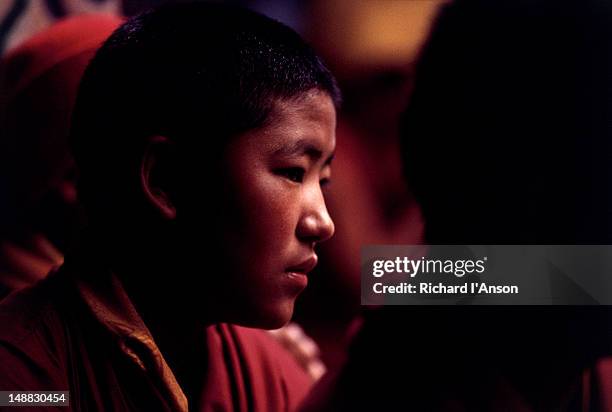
<point x="299" y="148"/>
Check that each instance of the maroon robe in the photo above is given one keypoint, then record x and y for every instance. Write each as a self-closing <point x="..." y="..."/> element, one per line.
<point x="77" y="330"/>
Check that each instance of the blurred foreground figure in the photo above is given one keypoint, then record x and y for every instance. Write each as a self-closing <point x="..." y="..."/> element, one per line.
<point x="38" y="86"/>
<point x="203" y="136"/>
<point x="507" y="140"/>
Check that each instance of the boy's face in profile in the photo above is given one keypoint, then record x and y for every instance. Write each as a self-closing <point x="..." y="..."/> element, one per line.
<point x="273" y="211"/>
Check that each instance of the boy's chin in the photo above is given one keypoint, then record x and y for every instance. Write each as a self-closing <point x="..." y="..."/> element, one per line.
<point x="271" y="318"/>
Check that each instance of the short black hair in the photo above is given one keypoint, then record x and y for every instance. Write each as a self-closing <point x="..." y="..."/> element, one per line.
<point x="190" y="71"/>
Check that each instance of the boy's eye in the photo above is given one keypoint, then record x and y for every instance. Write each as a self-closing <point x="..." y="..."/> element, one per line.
<point x="325" y="181"/>
<point x="295" y="174"/>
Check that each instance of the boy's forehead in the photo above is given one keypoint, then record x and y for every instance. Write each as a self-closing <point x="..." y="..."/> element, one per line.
<point x="303" y="124"/>
<point x="297" y="127"/>
<point x="315" y="108"/>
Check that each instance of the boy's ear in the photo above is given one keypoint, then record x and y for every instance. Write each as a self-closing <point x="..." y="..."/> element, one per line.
<point x="156" y="175"/>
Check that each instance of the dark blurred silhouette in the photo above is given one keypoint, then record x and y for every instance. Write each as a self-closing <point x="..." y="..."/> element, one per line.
<point x="508" y="138"/>
<point x="506" y="141"/>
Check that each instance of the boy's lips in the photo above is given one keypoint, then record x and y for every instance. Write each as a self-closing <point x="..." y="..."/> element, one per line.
<point x="304" y="266"/>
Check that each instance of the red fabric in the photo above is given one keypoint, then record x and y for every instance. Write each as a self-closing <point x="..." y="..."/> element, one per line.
<point x="603" y="383"/>
<point x="54" y="338"/>
<point x="58" y="43"/>
<point x="245" y="373"/>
